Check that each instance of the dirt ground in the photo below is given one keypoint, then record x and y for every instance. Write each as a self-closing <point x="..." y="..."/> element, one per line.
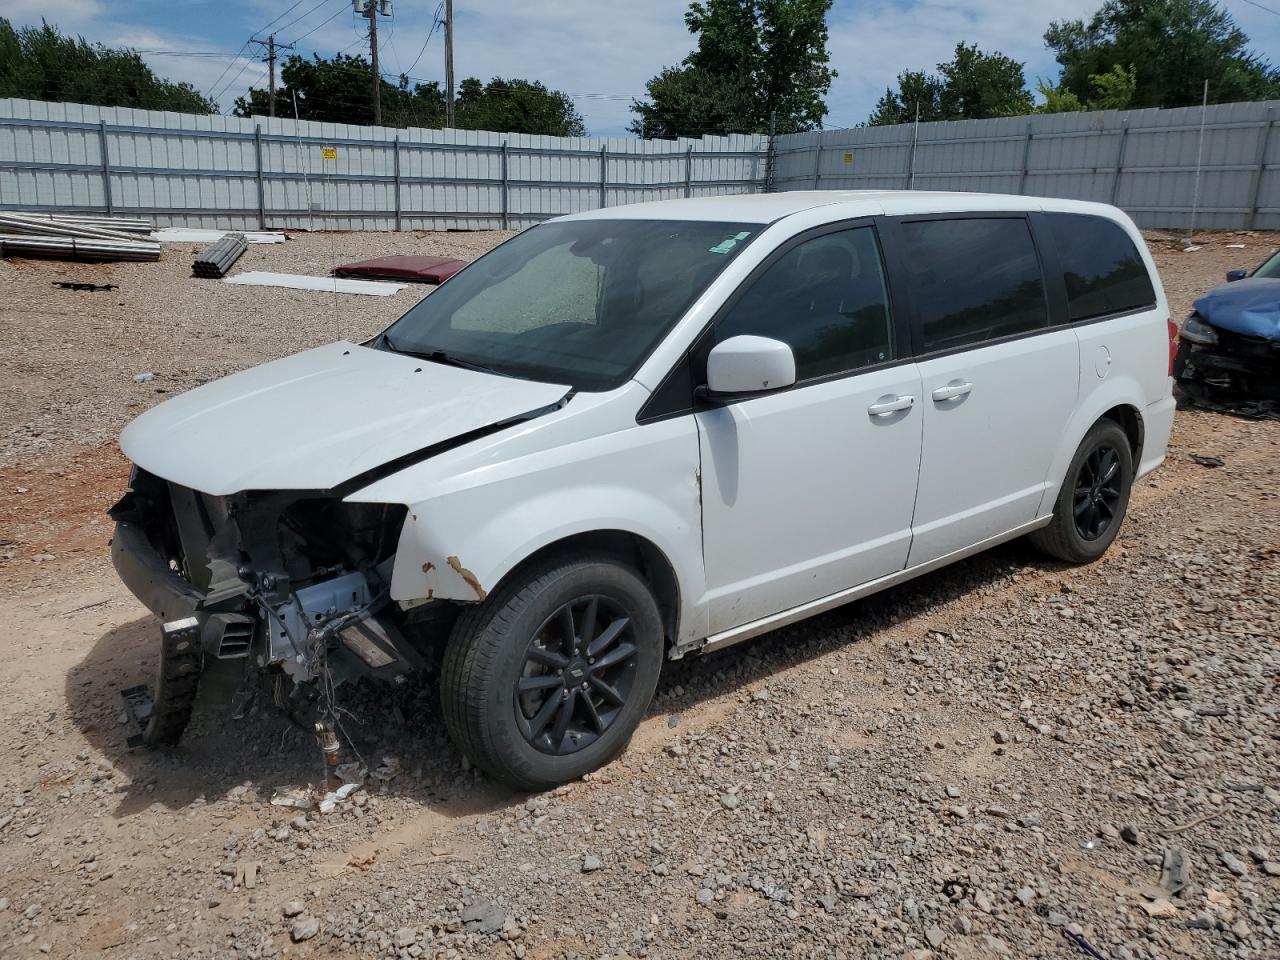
<point x="1002" y="759"/>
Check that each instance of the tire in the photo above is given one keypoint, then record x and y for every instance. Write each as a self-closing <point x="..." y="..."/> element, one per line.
<point x="509" y="661"/>
<point x="1081" y="541"/>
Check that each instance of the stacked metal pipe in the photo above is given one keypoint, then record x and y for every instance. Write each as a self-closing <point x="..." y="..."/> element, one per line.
<point x="218" y="259"/>
<point x="75" y="237"/>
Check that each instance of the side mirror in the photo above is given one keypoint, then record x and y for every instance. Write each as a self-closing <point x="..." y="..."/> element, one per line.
<point x="1233" y="275"/>
<point x="745" y="366"/>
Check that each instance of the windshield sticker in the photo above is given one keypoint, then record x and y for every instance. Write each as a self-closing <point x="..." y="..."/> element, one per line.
<point x="727" y="245"/>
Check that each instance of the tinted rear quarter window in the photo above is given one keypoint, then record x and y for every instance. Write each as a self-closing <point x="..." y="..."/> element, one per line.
<point x="1103" y="271"/>
<point x="973" y="279"/>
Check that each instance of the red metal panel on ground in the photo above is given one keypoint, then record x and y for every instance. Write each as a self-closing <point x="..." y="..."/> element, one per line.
<point x="411" y="268"/>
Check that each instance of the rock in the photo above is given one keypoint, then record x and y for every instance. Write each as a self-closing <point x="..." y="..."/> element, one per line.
<point x="1160" y="909"/>
<point x="1130" y="834"/>
<point x="1232" y="862"/>
<point x="828" y="902"/>
<point x="1174" y="872"/>
<point x="404" y="937"/>
<point x="1026" y="896"/>
<point x="993" y="946"/>
<point x="730" y="801"/>
<point x="292" y="908"/>
<point x="591" y="863"/>
<point x="304" y="928"/>
<point x="1259" y="854"/>
<point x="482" y="916"/>
<point x="706" y="897"/>
<point x="934" y="936"/>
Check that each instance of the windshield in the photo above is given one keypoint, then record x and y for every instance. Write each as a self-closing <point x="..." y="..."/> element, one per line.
<point x="581" y="302"/>
<point x="1270" y="268"/>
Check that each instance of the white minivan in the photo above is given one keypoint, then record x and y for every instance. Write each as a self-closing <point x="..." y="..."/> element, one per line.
<point x="642" y="432"/>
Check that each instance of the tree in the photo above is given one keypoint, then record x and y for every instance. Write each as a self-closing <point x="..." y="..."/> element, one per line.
<point x="1115" y="89"/>
<point x="337" y="91"/>
<point x="754" y="58"/>
<point x="1170" y="46"/>
<point x="971" y="85"/>
<point x="40" y="63"/>
<point x="1057" y="100"/>
<point x="919" y="95"/>
<point x="516" y="106"/>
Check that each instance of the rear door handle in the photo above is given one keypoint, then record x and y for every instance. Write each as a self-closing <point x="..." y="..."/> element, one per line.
<point x="953" y="391"/>
<point x="889" y="405"/>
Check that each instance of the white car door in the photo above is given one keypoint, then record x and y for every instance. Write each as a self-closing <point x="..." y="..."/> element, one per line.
<point x="808" y="491"/>
<point x="998" y="382"/>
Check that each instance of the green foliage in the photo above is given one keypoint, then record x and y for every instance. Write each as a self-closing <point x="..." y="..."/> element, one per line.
<point x="340" y="91"/>
<point x="516" y="106"/>
<point x="1057" y="100"/>
<point x="754" y="58"/>
<point x="1115" y="89"/>
<point x="40" y="63"/>
<point x="972" y="85"/>
<point x="1172" y="46"/>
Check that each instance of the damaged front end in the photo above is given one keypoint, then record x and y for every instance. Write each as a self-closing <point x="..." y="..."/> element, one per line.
<point x="1215" y="361"/>
<point x="291" y="581"/>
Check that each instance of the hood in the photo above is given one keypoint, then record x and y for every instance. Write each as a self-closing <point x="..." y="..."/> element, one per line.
<point x="1250" y="307"/>
<point x="316" y="419"/>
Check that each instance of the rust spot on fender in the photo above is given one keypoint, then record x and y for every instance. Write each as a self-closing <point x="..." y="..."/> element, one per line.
<point x="428" y="567"/>
<point x="468" y="576"/>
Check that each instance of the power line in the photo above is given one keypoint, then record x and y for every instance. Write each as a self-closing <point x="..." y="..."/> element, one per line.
<point x="230" y="64"/>
<point x="298" y="40"/>
<point x="292" y="7"/>
<point x="301" y="17"/>
<point x="435" y="22"/>
<point x="1254" y="3"/>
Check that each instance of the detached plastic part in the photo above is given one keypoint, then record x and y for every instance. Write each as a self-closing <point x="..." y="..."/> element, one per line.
<point x="411" y="268"/>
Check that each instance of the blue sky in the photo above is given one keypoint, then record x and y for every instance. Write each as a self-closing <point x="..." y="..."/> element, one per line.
<point x="599" y="51"/>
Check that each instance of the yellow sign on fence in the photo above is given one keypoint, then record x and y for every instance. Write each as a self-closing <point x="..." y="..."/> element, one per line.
<point x="848" y="158"/>
<point x="328" y="153"/>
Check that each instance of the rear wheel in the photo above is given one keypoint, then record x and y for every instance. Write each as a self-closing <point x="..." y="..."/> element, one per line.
<point x="548" y="678"/>
<point x="1095" y="494"/>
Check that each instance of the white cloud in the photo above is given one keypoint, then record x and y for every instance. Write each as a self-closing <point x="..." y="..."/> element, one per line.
<point x="67" y="14"/>
<point x="587" y="48"/>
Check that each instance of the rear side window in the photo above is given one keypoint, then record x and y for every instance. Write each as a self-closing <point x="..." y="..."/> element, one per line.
<point x="973" y="280"/>
<point x="1103" y="270"/>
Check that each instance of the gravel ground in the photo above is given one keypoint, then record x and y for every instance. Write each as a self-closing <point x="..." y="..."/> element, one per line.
<point x="985" y="763"/>
<point x="73" y="383"/>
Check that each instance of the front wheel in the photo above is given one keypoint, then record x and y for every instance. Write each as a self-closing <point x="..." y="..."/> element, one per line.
<point x="547" y="679"/>
<point x="1095" y="494"/>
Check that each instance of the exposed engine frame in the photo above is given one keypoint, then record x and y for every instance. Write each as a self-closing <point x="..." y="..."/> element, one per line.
<point x="290" y="581"/>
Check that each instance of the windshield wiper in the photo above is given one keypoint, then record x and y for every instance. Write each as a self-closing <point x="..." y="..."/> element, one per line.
<point x="439" y="356"/>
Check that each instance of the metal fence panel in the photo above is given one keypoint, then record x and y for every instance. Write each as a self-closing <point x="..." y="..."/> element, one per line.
<point x="274" y="172"/>
<point x="1144" y="161"/>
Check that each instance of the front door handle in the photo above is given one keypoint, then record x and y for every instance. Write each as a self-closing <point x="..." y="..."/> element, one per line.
<point x="953" y="391"/>
<point x="890" y="405"/>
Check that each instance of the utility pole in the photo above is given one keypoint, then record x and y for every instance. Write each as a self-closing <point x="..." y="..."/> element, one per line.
<point x="448" y="62"/>
<point x="272" y="47"/>
<point x="371" y="9"/>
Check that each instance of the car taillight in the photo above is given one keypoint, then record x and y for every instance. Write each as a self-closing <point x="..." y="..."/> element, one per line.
<point x="1173" y="343"/>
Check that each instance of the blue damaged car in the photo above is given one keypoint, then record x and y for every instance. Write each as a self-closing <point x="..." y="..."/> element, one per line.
<point x="1231" y="341"/>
